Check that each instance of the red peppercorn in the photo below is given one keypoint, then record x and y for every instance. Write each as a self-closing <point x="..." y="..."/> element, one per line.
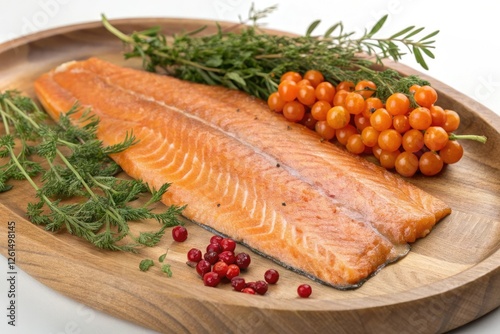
<point x="214" y="247"/>
<point x="211" y="279"/>
<point x="228" y="244"/>
<point x="232" y="271"/>
<point x="179" y="233"/>
<point x="249" y="291"/>
<point x="216" y="239"/>
<point x="220" y="268"/>
<point x="238" y="283"/>
<point x="243" y="260"/>
<point x="194" y="255"/>
<point x="271" y="276"/>
<point x="260" y="287"/>
<point x="227" y="256"/>
<point x="304" y="290"/>
<point x="203" y="267"/>
<point x="212" y="257"/>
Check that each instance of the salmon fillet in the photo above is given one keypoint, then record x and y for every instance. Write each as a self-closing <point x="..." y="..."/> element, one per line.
<point x="248" y="173"/>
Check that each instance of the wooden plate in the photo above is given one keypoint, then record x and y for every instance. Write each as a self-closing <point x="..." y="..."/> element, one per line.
<point x="449" y="278"/>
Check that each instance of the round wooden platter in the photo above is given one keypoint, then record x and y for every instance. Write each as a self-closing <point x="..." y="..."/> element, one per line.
<point x="451" y="277"/>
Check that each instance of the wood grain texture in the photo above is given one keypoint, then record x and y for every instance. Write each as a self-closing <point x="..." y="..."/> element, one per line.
<point x="449" y="278"/>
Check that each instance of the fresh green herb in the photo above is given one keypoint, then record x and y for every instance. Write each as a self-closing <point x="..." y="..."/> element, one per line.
<point x="162" y="257"/>
<point x="146" y="264"/>
<point x="167" y="270"/>
<point x="73" y="163"/>
<point x="248" y="59"/>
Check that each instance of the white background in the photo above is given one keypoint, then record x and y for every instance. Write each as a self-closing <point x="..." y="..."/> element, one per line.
<point x="467" y="51"/>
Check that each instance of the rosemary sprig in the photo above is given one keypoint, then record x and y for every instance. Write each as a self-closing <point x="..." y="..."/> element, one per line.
<point x="245" y="58"/>
<point x="73" y="163"/>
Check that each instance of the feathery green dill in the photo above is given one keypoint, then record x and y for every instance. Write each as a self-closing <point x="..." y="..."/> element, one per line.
<point x="71" y="163"/>
<point x="246" y="58"/>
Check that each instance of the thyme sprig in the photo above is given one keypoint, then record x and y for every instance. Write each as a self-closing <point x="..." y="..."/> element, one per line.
<point x="244" y="57"/>
<point x="73" y="164"/>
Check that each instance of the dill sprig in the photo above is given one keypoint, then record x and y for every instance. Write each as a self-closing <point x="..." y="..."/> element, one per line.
<point x="246" y="58"/>
<point x="77" y="190"/>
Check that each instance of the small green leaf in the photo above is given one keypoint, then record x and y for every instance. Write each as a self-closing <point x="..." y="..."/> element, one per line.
<point x="402" y="32"/>
<point x="146" y="264"/>
<point x="162" y="258"/>
<point x="413" y="33"/>
<point x="378" y="25"/>
<point x="234" y="76"/>
<point x="428" y="53"/>
<point x="419" y="58"/>
<point x="166" y="269"/>
<point x="311" y="27"/>
<point x="432" y="34"/>
<point x="330" y="30"/>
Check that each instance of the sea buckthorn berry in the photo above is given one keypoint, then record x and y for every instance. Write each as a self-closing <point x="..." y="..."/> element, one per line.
<point x="260" y="287"/>
<point x="389" y="140"/>
<point x="354" y="103"/>
<point x="194" y="255"/>
<point x="275" y="102"/>
<point x="232" y="271"/>
<point x="315" y="77"/>
<point x="271" y="276"/>
<point x="294" y="111"/>
<point x="381" y="120"/>
<point x="420" y="118"/>
<point x="324" y="130"/>
<point x="203" y="267"/>
<point x="355" y="144"/>
<point x="228" y="244"/>
<point x="388" y="159"/>
<point x="452" y="152"/>
<point x="288" y="90"/>
<point x="306" y="95"/>
<point x="400" y="123"/>
<point x="309" y="121"/>
<point x="304" y="290"/>
<point x="370" y="136"/>
<point x="372" y="104"/>
<point x="438" y="115"/>
<point x="425" y="96"/>
<point x="376" y="151"/>
<point x="345" y="85"/>
<point x="452" y="121"/>
<point x="361" y="121"/>
<point x="211" y="279"/>
<point x="304" y="82"/>
<point x="243" y="260"/>
<point x="338" y="117"/>
<point x="397" y="104"/>
<point x="211" y="257"/>
<point x="339" y="98"/>
<point x="413" y="89"/>
<point x="406" y="164"/>
<point x="325" y="91"/>
<point x="238" y="283"/>
<point x="430" y="163"/>
<point x="227" y="257"/>
<point x="435" y="138"/>
<point x="413" y="141"/>
<point x="179" y="233"/>
<point x="291" y="75"/>
<point x="220" y="268"/>
<point x="344" y="133"/>
<point x="366" y="88"/>
<point x="320" y="109"/>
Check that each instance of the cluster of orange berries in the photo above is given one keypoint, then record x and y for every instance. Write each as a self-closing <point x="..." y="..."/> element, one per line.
<point x="401" y="137"/>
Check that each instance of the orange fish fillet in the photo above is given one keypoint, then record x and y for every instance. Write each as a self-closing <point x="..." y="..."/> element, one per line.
<point x="247" y="173"/>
